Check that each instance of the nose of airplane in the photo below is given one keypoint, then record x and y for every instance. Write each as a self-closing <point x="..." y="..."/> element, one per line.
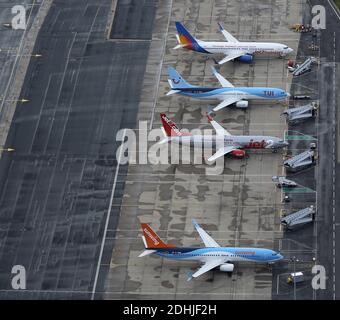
<point x="280" y="257"/>
<point x="288" y="94"/>
<point x="290" y="50"/>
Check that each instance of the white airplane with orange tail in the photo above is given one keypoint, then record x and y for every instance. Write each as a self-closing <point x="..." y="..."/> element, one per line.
<point x="212" y="256"/>
<point x="225" y="142"/>
<point x="231" y="48"/>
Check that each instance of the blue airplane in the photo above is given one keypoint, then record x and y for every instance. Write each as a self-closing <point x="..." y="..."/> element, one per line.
<point x="212" y="256"/>
<point x="228" y="94"/>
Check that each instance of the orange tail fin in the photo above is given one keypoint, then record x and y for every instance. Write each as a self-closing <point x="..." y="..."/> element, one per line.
<point x="152" y="240"/>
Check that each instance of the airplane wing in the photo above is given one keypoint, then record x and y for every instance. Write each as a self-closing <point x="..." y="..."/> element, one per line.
<point x="221" y="152"/>
<point x="208" y="241"/>
<point x="226" y="103"/>
<point x="232" y="55"/>
<point x="226" y="34"/>
<point x="223" y="81"/>
<point x="219" y="129"/>
<point x="208" y="266"/>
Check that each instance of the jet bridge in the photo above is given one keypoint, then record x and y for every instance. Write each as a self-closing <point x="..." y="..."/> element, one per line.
<point x="283" y="182"/>
<point x="304" y="67"/>
<point x="301" y="113"/>
<point x="300" y="217"/>
<point x="300" y="161"/>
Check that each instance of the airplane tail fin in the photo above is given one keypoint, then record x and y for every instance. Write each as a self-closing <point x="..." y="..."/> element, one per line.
<point x="185" y="39"/>
<point x="170" y="128"/>
<point x="176" y="81"/>
<point x="152" y="240"/>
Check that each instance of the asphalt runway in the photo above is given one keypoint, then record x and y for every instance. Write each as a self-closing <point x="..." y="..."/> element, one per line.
<point x="321" y="239"/>
<point x="299" y="243"/>
<point x="56" y="188"/>
<point x="329" y="168"/>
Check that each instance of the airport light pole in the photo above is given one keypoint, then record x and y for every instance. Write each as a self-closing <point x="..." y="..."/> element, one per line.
<point x="294" y="278"/>
<point x="36" y="55"/>
<point x="15" y="100"/>
<point x="27" y="55"/>
<point x="6" y="149"/>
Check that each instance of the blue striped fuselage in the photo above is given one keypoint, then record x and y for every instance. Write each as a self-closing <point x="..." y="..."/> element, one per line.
<point x="230" y="254"/>
<point x="241" y="92"/>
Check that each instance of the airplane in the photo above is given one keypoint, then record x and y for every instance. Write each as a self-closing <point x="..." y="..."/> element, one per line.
<point x="228" y="94"/>
<point x="212" y="256"/>
<point x="231" y="48"/>
<point x="224" y="141"/>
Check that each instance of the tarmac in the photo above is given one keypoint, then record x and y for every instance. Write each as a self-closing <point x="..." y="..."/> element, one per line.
<point x="239" y="207"/>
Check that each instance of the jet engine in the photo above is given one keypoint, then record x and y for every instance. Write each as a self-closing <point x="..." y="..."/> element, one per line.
<point x="238" y="153"/>
<point x="227" y="267"/>
<point x="242" y="104"/>
<point x="245" y="58"/>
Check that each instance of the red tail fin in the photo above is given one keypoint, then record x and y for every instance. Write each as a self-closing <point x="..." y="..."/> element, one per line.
<point x="152" y="239"/>
<point x="170" y="127"/>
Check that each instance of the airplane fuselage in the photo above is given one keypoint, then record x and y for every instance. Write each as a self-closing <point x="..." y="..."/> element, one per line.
<point x="230" y="254"/>
<point x="243" y="93"/>
<point x="241" y="142"/>
<point x="266" y="49"/>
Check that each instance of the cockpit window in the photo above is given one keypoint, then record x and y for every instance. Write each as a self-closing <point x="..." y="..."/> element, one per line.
<point x="285" y="48"/>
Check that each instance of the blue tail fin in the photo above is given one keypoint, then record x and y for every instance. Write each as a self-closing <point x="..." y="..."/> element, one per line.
<point x="176" y="81"/>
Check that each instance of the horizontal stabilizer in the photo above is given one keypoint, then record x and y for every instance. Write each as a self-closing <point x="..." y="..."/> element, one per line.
<point x="179" y="46"/>
<point x="172" y="92"/>
<point x="146" y="253"/>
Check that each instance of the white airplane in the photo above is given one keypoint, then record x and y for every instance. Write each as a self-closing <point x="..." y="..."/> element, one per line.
<point x="225" y="142"/>
<point x="228" y="94"/>
<point x="232" y="49"/>
<point x="212" y="256"/>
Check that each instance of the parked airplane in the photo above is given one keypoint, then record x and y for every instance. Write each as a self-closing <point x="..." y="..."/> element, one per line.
<point x="212" y="256"/>
<point x="233" y="49"/>
<point x="228" y="93"/>
<point x="225" y="142"/>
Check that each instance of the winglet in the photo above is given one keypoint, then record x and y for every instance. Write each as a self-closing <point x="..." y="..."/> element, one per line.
<point x="220" y="26"/>
<point x="210" y="118"/>
<point x="223" y="81"/>
<point x="213" y="69"/>
<point x="196" y="225"/>
<point x="189" y="274"/>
